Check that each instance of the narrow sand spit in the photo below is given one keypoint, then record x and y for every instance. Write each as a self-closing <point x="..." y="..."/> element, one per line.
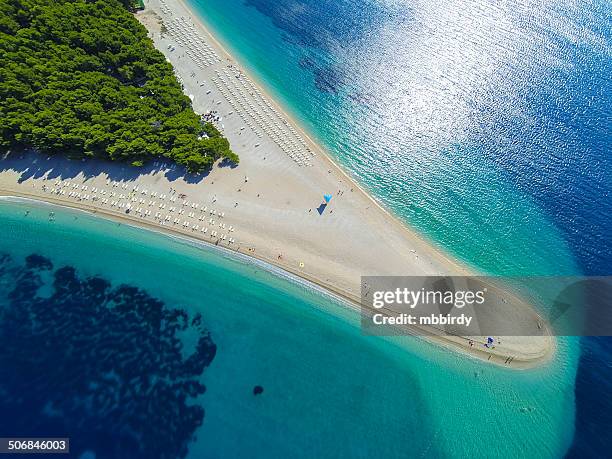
<point x="271" y="206"/>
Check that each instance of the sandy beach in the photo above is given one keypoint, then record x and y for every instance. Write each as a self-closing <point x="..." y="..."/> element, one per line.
<point x="271" y="206"/>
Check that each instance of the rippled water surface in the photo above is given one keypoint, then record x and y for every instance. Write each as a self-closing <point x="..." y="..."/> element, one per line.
<point x="485" y="125"/>
<point x="138" y="345"/>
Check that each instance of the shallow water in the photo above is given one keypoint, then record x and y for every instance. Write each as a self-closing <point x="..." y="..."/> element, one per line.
<point x="484" y="125"/>
<point x="328" y="391"/>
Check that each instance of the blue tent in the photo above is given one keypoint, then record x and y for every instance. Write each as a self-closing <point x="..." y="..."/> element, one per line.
<point x="327" y="197"/>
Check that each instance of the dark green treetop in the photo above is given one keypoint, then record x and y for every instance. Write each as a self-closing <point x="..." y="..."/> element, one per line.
<point x="82" y="78"/>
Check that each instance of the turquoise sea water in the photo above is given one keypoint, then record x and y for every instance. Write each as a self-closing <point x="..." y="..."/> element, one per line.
<point x="486" y="126"/>
<point x="329" y="391"/>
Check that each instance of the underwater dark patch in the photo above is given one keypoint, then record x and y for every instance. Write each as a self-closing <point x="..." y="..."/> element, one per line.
<point x="102" y="365"/>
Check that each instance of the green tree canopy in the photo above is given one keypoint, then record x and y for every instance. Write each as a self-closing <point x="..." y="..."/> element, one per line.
<point x="82" y="78"/>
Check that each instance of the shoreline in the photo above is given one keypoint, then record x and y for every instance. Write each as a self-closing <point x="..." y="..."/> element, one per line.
<point x="318" y="146"/>
<point x="270" y="200"/>
<point x="458" y="266"/>
<point x="192" y="242"/>
<point x="320" y="285"/>
<point x="316" y="285"/>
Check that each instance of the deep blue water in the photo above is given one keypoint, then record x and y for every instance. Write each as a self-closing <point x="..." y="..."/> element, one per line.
<point x="593" y="407"/>
<point x="486" y="125"/>
<point x="134" y="344"/>
<point x="104" y="366"/>
<point x="441" y="109"/>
